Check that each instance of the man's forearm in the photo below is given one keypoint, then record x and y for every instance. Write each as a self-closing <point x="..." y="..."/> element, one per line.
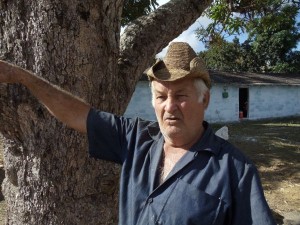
<point x="67" y="108"/>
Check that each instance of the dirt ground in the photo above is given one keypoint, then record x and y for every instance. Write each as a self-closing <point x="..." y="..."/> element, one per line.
<point x="274" y="146"/>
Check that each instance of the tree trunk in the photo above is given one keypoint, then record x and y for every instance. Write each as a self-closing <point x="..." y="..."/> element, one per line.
<point x="74" y="44"/>
<point x="50" y="179"/>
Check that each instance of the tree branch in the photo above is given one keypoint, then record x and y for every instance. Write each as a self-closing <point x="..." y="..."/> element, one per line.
<point x="148" y="35"/>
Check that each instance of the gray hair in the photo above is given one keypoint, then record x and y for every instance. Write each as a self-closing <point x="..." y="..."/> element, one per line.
<point x="201" y="89"/>
<point x="199" y="85"/>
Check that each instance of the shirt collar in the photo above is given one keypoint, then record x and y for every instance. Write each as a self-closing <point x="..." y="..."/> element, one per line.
<point x="208" y="141"/>
<point x="154" y="131"/>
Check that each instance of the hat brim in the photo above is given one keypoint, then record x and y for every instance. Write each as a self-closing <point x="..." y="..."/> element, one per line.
<point x="160" y="71"/>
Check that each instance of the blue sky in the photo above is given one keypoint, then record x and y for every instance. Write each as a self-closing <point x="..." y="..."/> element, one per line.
<point x="190" y="37"/>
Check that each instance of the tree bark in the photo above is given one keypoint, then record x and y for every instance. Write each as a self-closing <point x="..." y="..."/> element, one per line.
<point x="74" y="44"/>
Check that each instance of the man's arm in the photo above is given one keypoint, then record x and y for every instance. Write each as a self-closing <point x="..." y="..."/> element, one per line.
<point x="67" y="108"/>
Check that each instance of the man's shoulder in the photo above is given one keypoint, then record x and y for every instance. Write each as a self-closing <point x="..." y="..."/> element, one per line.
<point x="236" y="159"/>
<point x="234" y="152"/>
<point x="226" y="151"/>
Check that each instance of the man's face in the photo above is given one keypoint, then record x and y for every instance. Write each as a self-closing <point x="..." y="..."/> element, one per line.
<point x="178" y="111"/>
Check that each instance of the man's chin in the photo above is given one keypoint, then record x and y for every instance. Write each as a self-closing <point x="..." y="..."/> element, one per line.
<point x="173" y="131"/>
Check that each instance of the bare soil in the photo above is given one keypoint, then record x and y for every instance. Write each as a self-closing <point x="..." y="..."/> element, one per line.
<point x="273" y="145"/>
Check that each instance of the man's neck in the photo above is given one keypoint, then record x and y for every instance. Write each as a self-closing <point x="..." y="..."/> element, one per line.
<point x="171" y="155"/>
<point x="183" y="142"/>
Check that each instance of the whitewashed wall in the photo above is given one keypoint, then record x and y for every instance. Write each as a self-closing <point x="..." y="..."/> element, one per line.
<point x="140" y="103"/>
<point x="264" y="102"/>
<point x="273" y="101"/>
<point x="223" y="109"/>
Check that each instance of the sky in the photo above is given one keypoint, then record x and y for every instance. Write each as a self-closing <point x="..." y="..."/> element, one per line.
<point x="189" y="35"/>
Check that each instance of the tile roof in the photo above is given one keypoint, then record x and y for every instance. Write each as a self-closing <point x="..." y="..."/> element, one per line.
<point x="245" y="78"/>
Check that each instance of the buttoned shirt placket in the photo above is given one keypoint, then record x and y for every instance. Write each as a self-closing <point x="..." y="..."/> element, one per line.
<point x="153" y="210"/>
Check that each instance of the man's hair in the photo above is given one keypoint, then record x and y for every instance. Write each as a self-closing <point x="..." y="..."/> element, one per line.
<point x="201" y="89"/>
<point x="199" y="85"/>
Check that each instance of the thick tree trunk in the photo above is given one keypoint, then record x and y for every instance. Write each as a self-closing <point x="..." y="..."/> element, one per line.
<point x="49" y="177"/>
<point x="74" y="44"/>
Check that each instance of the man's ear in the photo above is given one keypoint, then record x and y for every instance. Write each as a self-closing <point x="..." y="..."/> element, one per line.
<point x="206" y="99"/>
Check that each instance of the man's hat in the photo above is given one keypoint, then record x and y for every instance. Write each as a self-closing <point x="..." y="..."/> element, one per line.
<point x="180" y="61"/>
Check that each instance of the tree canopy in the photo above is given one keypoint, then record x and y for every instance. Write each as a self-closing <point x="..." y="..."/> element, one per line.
<point x="133" y="9"/>
<point x="273" y="34"/>
<point x="231" y="17"/>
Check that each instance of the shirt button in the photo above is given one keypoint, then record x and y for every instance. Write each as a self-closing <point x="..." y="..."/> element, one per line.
<point x="150" y="200"/>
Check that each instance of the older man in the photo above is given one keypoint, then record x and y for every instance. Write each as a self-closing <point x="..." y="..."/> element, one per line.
<point x="176" y="171"/>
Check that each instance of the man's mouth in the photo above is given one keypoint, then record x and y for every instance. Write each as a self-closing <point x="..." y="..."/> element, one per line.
<point x="172" y="119"/>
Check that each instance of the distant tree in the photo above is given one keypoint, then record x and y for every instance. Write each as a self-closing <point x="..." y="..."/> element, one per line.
<point x="270" y="46"/>
<point x="251" y="62"/>
<point x="293" y="60"/>
<point x="233" y="17"/>
<point x="274" y="37"/>
<point x="225" y="56"/>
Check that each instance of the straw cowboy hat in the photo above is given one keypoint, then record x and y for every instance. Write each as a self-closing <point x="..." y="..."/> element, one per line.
<point x="180" y="61"/>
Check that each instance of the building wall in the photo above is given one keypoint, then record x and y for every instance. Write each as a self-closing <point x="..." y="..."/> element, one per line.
<point x="273" y="101"/>
<point x="264" y="102"/>
<point x="223" y="107"/>
<point x="140" y="103"/>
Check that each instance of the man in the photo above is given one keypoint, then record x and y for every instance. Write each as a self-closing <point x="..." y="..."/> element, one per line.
<point x="176" y="171"/>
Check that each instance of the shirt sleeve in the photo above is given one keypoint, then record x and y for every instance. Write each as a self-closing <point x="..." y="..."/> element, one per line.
<point x="250" y="206"/>
<point x="107" y="134"/>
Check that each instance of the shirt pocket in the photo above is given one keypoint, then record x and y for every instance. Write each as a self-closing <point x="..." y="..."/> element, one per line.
<point x="188" y="205"/>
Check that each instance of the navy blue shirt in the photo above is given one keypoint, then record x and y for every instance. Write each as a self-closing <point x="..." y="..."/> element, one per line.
<point x="212" y="184"/>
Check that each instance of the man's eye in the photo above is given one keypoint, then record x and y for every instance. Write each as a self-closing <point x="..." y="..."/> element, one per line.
<point x="160" y="98"/>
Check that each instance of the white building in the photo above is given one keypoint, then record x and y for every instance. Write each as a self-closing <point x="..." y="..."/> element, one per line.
<point x="235" y="96"/>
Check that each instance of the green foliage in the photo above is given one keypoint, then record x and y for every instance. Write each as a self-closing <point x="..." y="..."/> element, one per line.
<point x="225" y="56"/>
<point x="133" y="9"/>
<point x="274" y="37"/>
<point x="233" y="17"/>
<point x="269" y="48"/>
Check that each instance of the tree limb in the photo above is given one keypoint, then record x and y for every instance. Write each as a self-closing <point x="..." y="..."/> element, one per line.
<point x="148" y="35"/>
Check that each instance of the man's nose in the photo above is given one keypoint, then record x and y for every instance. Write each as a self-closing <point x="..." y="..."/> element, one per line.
<point x="171" y="105"/>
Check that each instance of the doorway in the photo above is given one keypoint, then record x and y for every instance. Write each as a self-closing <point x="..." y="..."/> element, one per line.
<point x="243" y="102"/>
